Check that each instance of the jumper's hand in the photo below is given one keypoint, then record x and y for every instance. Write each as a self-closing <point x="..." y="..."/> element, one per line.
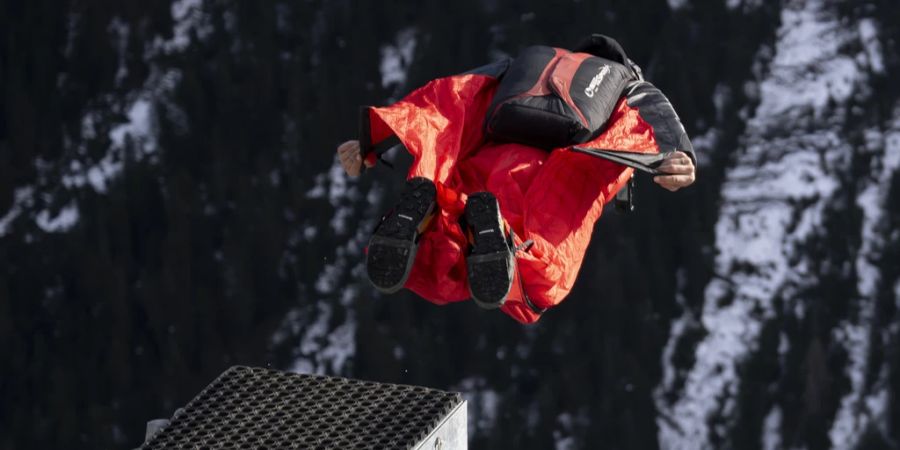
<point x="679" y="171"/>
<point x="351" y="158"/>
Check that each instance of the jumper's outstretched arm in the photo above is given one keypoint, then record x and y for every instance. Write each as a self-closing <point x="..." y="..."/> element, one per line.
<point x="680" y="166"/>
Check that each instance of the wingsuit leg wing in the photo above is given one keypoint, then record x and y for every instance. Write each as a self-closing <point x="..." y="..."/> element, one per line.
<point x="440" y="125"/>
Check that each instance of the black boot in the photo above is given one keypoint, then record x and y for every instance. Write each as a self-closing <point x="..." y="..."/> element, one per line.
<point x="491" y="261"/>
<point x="392" y="249"/>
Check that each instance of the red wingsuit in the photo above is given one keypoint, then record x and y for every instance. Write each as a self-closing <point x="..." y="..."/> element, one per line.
<point x="553" y="198"/>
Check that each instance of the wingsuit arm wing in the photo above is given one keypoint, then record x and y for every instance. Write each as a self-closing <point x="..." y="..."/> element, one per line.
<point x="374" y="141"/>
<point x="657" y="111"/>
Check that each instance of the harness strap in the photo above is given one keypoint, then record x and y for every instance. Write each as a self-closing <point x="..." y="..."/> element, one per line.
<point x="524" y="246"/>
<point x="625" y="197"/>
<point x="365" y="139"/>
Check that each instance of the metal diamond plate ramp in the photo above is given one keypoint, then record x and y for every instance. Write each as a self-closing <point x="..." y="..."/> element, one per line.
<point x="253" y="408"/>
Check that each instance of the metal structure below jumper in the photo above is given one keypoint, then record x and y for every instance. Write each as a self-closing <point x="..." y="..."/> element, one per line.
<point x="267" y="409"/>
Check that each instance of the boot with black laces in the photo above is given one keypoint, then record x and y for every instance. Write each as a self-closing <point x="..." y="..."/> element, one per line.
<point x="392" y="248"/>
<point x="491" y="261"/>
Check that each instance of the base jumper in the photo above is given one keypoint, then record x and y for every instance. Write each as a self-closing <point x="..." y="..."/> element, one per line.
<point x="506" y="184"/>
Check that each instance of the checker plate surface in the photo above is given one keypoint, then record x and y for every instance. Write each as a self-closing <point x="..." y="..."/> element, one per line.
<point x="266" y="409"/>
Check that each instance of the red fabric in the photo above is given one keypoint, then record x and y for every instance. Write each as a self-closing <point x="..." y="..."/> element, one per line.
<point x="553" y="198"/>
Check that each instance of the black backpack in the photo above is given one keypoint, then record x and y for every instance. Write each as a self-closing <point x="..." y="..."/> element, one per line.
<point x="551" y="97"/>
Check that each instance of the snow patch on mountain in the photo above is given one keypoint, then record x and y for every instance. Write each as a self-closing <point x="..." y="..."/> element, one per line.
<point x="65" y="219"/>
<point x="864" y="404"/>
<point x="705" y="143"/>
<point x="120" y="33"/>
<point x="771" y="432"/>
<point x="137" y="135"/>
<point x="340" y="192"/>
<point x="680" y="326"/>
<point x="675" y="5"/>
<point x="774" y="199"/>
<point x="868" y="34"/>
<point x="808" y="70"/>
<point x="140" y="127"/>
<point x="564" y="436"/>
<point x="139" y="130"/>
<point x="189" y="19"/>
<point x="396" y="58"/>
<point x="23" y="197"/>
<point x="322" y="346"/>
<point x="897" y="294"/>
<point x="484" y="403"/>
<point x="704" y="146"/>
<point x="743" y="5"/>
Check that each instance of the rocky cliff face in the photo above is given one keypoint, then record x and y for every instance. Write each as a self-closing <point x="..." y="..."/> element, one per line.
<point x="796" y="321"/>
<point x="170" y="206"/>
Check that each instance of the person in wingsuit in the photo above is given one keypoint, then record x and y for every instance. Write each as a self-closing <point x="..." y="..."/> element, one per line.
<point x="511" y="171"/>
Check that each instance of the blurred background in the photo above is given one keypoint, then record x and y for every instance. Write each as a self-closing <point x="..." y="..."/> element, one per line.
<point x="171" y="205"/>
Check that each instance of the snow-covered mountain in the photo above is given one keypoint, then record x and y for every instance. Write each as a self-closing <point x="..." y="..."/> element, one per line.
<point x="170" y="205"/>
<point x="816" y="150"/>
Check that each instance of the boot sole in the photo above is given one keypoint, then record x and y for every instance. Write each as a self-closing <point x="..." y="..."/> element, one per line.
<point x="393" y="246"/>
<point x="491" y="263"/>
